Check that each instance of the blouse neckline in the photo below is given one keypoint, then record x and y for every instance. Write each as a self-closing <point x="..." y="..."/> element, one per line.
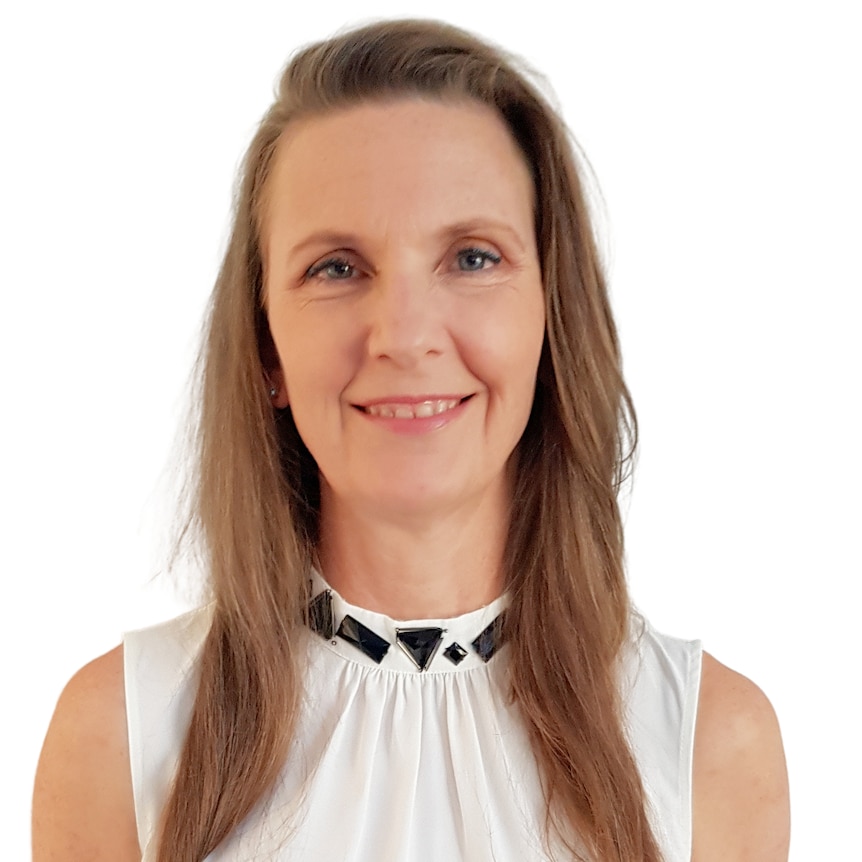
<point x="426" y="646"/>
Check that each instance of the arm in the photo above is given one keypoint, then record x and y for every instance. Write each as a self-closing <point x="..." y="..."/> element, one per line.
<point x="741" y="800"/>
<point x="83" y="808"/>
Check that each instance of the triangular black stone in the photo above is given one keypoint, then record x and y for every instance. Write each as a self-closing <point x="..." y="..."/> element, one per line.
<point x="320" y="615"/>
<point x="363" y="638"/>
<point x="419" y="644"/>
<point x="490" y="640"/>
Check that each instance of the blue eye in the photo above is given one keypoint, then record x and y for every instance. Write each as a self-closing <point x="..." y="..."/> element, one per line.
<point x="476" y="259"/>
<point x="336" y="268"/>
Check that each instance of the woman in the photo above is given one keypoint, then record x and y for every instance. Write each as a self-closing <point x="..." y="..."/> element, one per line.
<point x="413" y="428"/>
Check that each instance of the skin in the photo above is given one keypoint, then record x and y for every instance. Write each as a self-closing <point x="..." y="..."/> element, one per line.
<point x="741" y="805"/>
<point x="401" y="303"/>
<point x="398" y="266"/>
<point x="83" y="808"/>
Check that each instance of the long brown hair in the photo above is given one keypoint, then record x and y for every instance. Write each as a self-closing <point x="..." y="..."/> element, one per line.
<point x="257" y="491"/>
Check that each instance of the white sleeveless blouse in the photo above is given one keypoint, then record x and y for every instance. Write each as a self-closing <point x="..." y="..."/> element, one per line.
<point x="396" y="764"/>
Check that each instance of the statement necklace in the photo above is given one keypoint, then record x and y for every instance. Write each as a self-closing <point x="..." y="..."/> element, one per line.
<point x="419" y="644"/>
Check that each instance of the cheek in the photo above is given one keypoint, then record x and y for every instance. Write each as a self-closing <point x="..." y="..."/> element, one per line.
<point x="512" y="341"/>
<point x="523" y="362"/>
<point x="314" y="353"/>
<point x="503" y="351"/>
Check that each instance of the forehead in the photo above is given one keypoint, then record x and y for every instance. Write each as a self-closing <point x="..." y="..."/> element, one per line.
<point x="400" y="164"/>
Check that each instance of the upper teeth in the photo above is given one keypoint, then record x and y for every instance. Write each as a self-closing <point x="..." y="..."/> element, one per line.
<point x="412" y="411"/>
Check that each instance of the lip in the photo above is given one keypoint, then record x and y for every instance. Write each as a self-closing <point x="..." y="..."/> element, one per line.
<point x="413" y="425"/>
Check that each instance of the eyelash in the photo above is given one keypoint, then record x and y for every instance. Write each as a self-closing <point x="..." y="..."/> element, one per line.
<point x="482" y="253"/>
<point x="485" y="255"/>
<point x="317" y="268"/>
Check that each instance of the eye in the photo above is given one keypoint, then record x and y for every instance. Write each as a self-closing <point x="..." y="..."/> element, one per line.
<point x="476" y="259"/>
<point x="335" y="268"/>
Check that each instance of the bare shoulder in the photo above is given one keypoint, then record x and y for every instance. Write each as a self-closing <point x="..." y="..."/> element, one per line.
<point x="83" y="808"/>
<point x="741" y="799"/>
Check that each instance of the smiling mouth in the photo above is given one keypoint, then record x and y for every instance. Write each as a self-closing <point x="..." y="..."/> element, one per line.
<point x="419" y="410"/>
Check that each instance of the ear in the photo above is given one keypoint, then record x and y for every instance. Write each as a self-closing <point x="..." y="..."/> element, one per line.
<point x="278" y="388"/>
<point x="274" y="381"/>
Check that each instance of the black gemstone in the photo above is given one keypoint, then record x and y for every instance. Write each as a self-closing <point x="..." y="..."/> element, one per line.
<point x="419" y="644"/>
<point x="320" y="615"/>
<point x="490" y="640"/>
<point x="455" y="653"/>
<point x="363" y="638"/>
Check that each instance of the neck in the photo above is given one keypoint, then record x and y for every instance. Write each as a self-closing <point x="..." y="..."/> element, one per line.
<point x="415" y="568"/>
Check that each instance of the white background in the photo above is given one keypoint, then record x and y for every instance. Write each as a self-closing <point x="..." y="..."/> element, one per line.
<point x="726" y="141"/>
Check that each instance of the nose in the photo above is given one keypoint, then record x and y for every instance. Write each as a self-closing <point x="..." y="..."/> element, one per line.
<point x="405" y="323"/>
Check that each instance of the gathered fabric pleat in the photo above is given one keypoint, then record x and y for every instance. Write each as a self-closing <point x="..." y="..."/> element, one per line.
<point x="395" y="764"/>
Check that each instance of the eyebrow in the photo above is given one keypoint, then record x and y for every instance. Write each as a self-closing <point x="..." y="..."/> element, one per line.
<point x="324" y="238"/>
<point x="337" y="239"/>
<point x="480" y="225"/>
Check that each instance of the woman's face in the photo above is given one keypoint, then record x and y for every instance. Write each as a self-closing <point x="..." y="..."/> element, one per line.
<point x="404" y="296"/>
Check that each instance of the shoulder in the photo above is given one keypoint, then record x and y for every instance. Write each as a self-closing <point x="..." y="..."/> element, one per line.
<point x="740" y="795"/>
<point x="83" y="807"/>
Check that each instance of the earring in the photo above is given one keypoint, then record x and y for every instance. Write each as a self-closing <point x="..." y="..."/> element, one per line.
<point x="272" y="392"/>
